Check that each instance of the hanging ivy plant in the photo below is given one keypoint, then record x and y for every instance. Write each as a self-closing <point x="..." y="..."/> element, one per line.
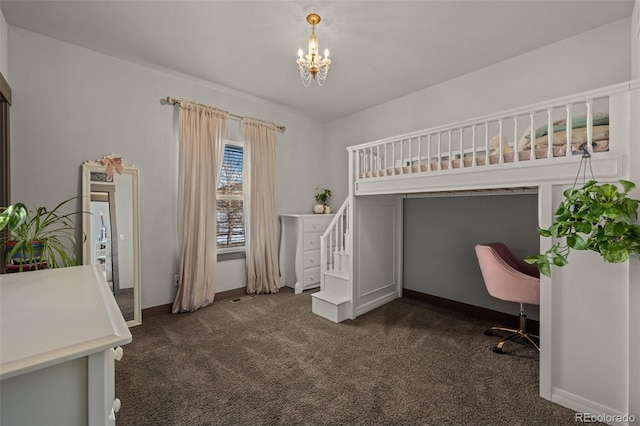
<point x="596" y="217"/>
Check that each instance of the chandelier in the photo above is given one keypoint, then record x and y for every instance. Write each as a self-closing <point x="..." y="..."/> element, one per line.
<point x="313" y="65"/>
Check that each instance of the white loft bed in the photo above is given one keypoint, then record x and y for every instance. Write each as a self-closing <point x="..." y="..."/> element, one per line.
<point x="483" y="154"/>
<point x="362" y="247"/>
<point x="454" y="157"/>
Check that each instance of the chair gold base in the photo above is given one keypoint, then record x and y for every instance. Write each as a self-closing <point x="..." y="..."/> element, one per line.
<point x="519" y="333"/>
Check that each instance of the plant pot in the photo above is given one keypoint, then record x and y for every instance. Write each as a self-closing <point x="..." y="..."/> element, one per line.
<point x="23" y="255"/>
<point x="322" y="208"/>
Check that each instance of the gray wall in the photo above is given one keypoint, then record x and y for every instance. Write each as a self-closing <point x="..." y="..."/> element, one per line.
<point x="635" y="41"/>
<point x="563" y="68"/>
<point x="439" y="238"/>
<point x="72" y="104"/>
<point x="559" y="69"/>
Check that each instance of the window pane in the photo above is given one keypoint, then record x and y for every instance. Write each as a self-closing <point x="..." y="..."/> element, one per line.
<point x="230" y="182"/>
<point x="230" y="208"/>
<point x="230" y="215"/>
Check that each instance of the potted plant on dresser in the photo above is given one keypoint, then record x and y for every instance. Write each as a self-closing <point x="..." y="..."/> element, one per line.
<point x="322" y="197"/>
<point x="40" y="238"/>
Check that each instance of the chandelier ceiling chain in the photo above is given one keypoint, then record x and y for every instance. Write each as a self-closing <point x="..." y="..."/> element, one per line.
<point x="313" y="65"/>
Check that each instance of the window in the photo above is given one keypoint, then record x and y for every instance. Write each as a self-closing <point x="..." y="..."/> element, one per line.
<point x="230" y="206"/>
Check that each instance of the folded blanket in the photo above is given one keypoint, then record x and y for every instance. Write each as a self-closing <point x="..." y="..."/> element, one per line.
<point x="578" y="136"/>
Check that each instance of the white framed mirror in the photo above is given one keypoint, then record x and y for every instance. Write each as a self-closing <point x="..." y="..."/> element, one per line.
<point x="110" y="193"/>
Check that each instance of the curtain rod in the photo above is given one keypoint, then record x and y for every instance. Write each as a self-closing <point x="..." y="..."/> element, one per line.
<point x="174" y="101"/>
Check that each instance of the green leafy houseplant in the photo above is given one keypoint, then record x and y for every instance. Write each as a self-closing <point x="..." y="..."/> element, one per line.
<point x="596" y="217"/>
<point x="40" y="236"/>
<point x="12" y="216"/>
<point x="322" y="195"/>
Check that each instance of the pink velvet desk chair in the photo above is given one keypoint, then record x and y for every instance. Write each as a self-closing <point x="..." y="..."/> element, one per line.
<point x="509" y="278"/>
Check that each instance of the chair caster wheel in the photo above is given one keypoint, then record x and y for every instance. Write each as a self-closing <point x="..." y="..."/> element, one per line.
<point x="488" y="333"/>
<point x="497" y="350"/>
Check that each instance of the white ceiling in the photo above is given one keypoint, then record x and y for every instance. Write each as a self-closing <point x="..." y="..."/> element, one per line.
<point x="381" y="50"/>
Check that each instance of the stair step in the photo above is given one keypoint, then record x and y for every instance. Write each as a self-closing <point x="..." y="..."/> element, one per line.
<point x="330" y="306"/>
<point x="332" y="298"/>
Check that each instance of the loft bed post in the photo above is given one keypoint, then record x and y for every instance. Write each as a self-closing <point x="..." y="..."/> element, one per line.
<point x="450" y="162"/>
<point x="516" y="155"/>
<point x="473" y="146"/>
<point x="487" y="159"/>
<point x="569" y="129"/>
<point x="500" y="148"/>
<point x="589" y="126"/>
<point x="549" y="133"/>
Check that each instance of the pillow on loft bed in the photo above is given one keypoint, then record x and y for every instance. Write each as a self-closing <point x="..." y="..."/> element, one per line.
<point x="599" y="119"/>
<point x="494" y="145"/>
<point x="578" y="136"/>
<point x="560" y="127"/>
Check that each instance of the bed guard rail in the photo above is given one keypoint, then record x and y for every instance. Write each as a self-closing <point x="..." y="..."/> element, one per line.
<point x="559" y="128"/>
<point x="335" y="243"/>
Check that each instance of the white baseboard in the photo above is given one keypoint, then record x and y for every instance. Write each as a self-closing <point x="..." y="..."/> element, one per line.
<point x="592" y="411"/>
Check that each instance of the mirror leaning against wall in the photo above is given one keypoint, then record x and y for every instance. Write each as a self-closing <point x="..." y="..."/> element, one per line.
<point x="110" y="193"/>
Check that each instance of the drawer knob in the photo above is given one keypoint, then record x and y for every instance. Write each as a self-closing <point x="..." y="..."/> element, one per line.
<point x="311" y="260"/>
<point x="311" y="278"/>
<point x="117" y="353"/>
<point x="116" y="405"/>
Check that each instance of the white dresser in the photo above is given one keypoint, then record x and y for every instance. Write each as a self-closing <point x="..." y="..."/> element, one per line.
<point x="300" y="249"/>
<point x="60" y="331"/>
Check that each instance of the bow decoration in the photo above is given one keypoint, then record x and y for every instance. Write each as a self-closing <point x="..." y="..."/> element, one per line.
<point x="112" y="163"/>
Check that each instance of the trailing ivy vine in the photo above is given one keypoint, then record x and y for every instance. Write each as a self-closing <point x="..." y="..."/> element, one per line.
<point x="596" y="217"/>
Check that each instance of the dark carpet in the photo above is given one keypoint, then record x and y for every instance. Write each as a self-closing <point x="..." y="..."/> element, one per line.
<point x="268" y="360"/>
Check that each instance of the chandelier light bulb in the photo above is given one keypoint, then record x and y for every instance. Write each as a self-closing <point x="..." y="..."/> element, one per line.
<point x="312" y="66"/>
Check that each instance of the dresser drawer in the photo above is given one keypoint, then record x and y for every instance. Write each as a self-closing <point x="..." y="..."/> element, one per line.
<point x="311" y="276"/>
<point x="315" y="225"/>
<point x="311" y="259"/>
<point x="300" y="262"/>
<point x="311" y="242"/>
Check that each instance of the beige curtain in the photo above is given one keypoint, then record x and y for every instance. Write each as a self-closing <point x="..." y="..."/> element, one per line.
<point x="261" y="219"/>
<point x="203" y="131"/>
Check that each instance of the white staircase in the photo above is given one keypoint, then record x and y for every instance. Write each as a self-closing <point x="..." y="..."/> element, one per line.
<point x="334" y="301"/>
